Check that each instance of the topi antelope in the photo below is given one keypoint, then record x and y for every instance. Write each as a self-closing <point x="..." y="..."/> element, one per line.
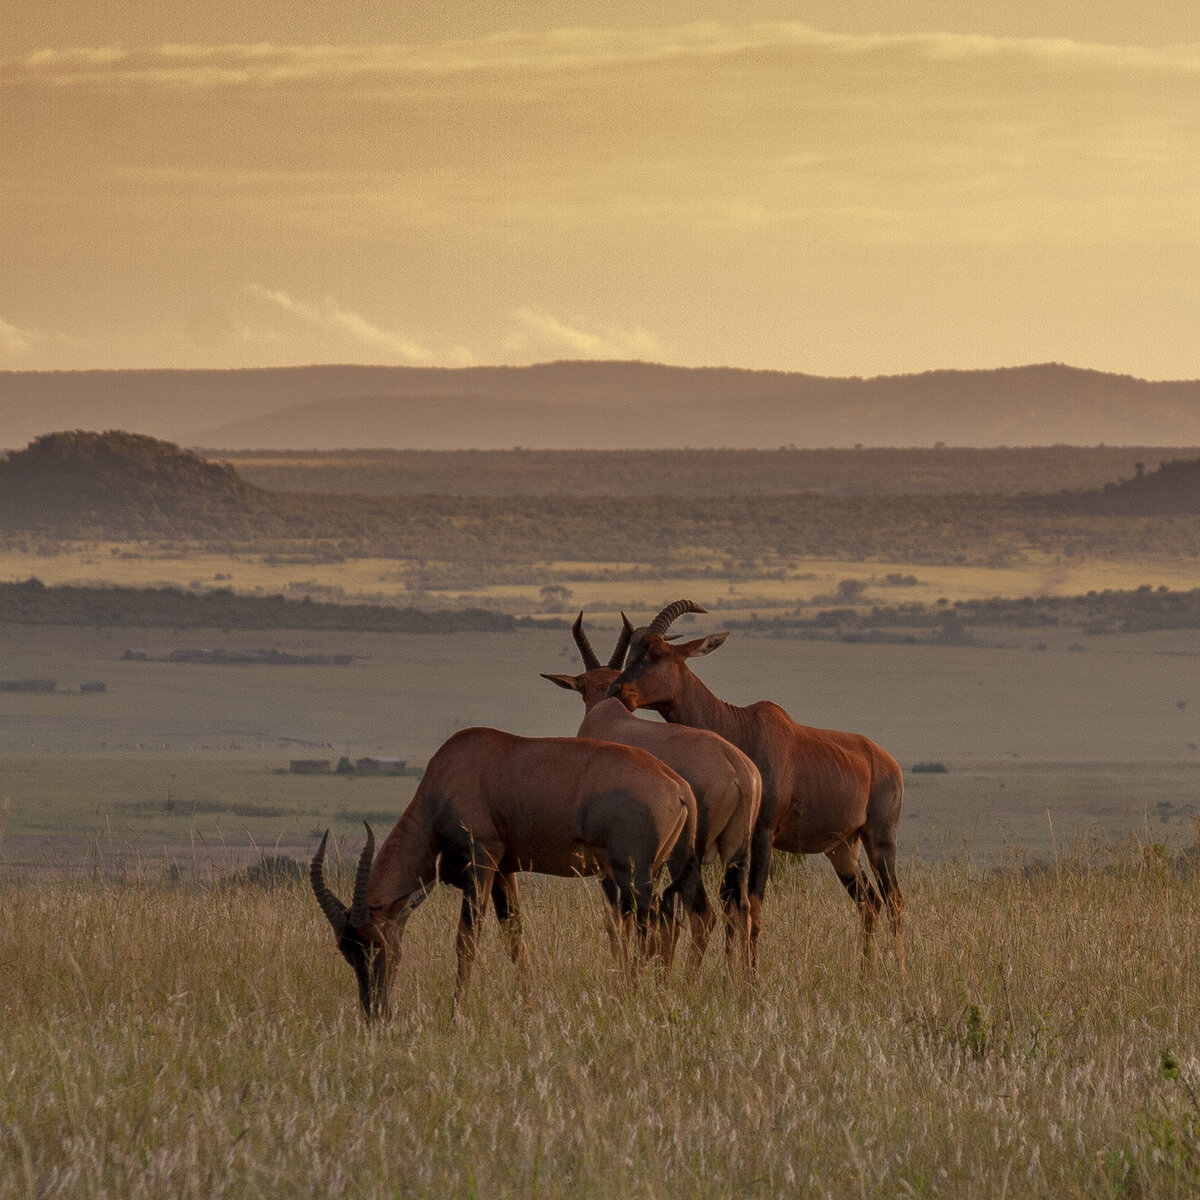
<point x="725" y="782"/>
<point x="491" y="804"/>
<point x="824" y="792"/>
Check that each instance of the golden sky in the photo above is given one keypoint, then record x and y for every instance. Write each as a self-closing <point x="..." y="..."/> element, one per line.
<point x="837" y="188"/>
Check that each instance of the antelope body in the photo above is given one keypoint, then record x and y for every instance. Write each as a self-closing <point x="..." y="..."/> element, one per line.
<point x="824" y="791"/>
<point x="726" y="784"/>
<point x="491" y="804"/>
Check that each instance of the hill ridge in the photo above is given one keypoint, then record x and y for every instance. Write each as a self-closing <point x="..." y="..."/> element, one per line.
<point x="603" y="404"/>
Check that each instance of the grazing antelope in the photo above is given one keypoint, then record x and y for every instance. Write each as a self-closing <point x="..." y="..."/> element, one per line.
<point x="491" y="804"/>
<point x="824" y="791"/>
<point x="725" y="782"/>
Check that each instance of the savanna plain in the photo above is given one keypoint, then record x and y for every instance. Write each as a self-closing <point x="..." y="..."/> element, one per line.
<point x="177" y="1024"/>
<point x="175" y="1019"/>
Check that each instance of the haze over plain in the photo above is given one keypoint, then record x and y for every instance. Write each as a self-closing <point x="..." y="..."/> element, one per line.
<point x="848" y="190"/>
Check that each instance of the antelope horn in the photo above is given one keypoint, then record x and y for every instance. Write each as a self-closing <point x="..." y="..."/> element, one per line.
<point x="662" y="622"/>
<point x="358" y="906"/>
<point x="331" y="906"/>
<point x="590" y="661"/>
<point x="618" y="655"/>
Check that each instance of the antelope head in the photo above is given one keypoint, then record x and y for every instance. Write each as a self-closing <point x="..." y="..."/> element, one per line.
<point x="594" y="683"/>
<point x="656" y="667"/>
<point x="358" y="937"/>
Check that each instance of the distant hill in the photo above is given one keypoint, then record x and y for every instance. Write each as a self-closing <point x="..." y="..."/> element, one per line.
<point x="120" y="481"/>
<point x="1173" y="489"/>
<point x="603" y="405"/>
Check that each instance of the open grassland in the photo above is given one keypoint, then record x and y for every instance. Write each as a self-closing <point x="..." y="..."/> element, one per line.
<point x="201" y="819"/>
<point x="207" y="819"/>
<point x="184" y="764"/>
<point x="1121" y="698"/>
<point x="560" y="588"/>
<point x="194" y="1042"/>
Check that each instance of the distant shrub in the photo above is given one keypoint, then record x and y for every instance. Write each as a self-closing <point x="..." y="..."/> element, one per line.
<point x="270" y="872"/>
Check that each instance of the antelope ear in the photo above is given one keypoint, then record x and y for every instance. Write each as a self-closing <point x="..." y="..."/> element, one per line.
<point x="702" y="646"/>
<point x="570" y="682"/>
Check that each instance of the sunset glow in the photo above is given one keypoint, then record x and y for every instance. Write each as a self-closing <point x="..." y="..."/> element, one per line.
<point x="853" y="193"/>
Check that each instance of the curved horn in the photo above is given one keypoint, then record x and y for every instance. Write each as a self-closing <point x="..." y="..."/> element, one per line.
<point x="358" y="906"/>
<point x="331" y="906"/>
<point x="662" y="622"/>
<point x="618" y="655"/>
<point x="590" y="661"/>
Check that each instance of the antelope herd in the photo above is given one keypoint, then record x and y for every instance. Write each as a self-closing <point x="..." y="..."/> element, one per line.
<point x="624" y="799"/>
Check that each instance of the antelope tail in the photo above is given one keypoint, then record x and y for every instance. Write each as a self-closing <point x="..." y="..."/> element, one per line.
<point x="664" y="851"/>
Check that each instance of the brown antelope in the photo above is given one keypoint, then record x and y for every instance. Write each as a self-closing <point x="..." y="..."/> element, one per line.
<point x="824" y="791"/>
<point x="725" y="782"/>
<point x="491" y="804"/>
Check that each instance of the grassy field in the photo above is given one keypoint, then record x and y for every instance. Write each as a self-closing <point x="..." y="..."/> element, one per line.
<point x="601" y="587"/>
<point x="206" y="819"/>
<point x="169" y="1029"/>
<point x="186" y="763"/>
<point x="189" y="1042"/>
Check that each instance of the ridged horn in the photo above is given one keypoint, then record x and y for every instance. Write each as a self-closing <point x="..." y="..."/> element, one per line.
<point x="331" y="906"/>
<point x="590" y="661"/>
<point x="358" y="906"/>
<point x="662" y="622"/>
<point x="618" y="655"/>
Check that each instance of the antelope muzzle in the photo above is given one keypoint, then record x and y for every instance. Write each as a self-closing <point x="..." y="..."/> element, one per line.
<point x="627" y="693"/>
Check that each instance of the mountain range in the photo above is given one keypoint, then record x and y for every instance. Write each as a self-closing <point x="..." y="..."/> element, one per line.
<point x="601" y="405"/>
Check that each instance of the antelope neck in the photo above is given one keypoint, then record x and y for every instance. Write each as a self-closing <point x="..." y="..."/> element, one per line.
<point x="407" y="860"/>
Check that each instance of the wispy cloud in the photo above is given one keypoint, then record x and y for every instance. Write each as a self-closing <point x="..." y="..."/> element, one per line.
<point x="18" y="343"/>
<point x="578" y="50"/>
<point x="709" y="125"/>
<point x="15" y="341"/>
<point x="330" y="316"/>
<point x="769" y="193"/>
<point x="545" y="331"/>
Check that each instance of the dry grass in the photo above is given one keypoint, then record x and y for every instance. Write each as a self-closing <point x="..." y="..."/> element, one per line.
<point x="200" y="1042"/>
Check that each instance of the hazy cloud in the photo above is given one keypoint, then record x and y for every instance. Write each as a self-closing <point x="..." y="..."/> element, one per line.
<point x="14" y="341"/>
<point x="766" y="194"/>
<point x="727" y="127"/>
<point x="558" y="52"/>
<point x="330" y="316"/>
<point x="601" y="341"/>
<point x="18" y="343"/>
